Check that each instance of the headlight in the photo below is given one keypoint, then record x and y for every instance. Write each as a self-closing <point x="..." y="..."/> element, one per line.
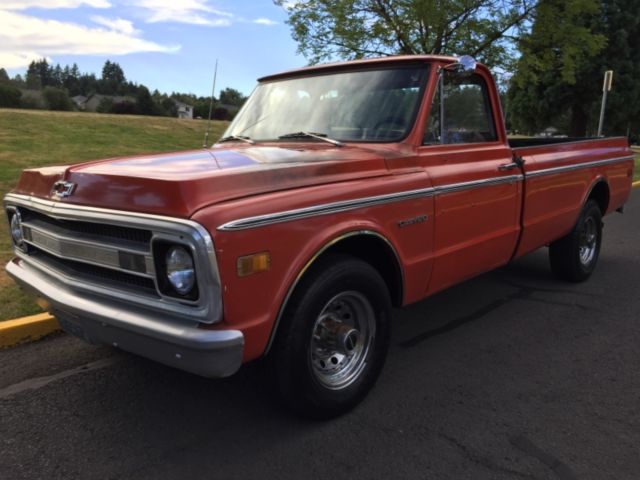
<point x="16" y="229"/>
<point x="180" y="270"/>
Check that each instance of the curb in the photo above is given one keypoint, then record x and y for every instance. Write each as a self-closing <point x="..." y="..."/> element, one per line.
<point x="27" y="329"/>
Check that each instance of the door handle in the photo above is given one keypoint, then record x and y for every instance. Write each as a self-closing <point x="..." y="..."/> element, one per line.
<point x="508" y="166"/>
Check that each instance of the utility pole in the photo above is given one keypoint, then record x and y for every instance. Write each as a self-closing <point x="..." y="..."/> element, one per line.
<point x="606" y="88"/>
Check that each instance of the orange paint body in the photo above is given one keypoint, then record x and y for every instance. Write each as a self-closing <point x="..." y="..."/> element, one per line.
<point x="458" y="228"/>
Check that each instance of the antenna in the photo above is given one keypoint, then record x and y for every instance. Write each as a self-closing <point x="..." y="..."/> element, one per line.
<point x="213" y="89"/>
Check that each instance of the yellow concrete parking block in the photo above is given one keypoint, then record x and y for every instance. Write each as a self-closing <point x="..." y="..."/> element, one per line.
<point x="27" y="329"/>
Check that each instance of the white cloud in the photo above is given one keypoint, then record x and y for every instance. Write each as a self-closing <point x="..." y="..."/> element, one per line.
<point x="116" y="24"/>
<point x="195" y="12"/>
<point x="24" y="38"/>
<point x="52" y="4"/>
<point x="265" y="21"/>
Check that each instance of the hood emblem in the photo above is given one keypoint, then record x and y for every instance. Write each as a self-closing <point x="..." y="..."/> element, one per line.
<point x="62" y="189"/>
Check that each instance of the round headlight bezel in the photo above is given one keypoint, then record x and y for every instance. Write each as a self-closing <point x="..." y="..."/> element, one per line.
<point x="177" y="276"/>
<point x="180" y="269"/>
<point x="15" y="225"/>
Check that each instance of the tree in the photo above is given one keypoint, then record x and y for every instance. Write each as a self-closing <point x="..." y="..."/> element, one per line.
<point x="38" y="74"/>
<point x="220" y="113"/>
<point x="18" y="81"/>
<point x="231" y="96"/>
<point x="621" y="25"/>
<point x="71" y="79"/>
<point x="4" y="77"/>
<point x="105" y="105"/>
<point x="56" y="76"/>
<point x="57" y="99"/>
<point x="169" y="106"/>
<point x="87" y="83"/>
<point x="113" y="79"/>
<point x="9" y="96"/>
<point x="558" y="79"/>
<point x="145" y="103"/>
<point x="349" y="29"/>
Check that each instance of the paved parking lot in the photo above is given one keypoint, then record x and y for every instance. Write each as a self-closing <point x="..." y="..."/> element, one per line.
<point x="510" y="375"/>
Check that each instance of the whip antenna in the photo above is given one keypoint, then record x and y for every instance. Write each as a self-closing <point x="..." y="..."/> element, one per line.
<point x="213" y="89"/>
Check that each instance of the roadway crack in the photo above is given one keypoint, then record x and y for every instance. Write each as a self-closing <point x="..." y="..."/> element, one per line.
<point x="562" y="470"/>
<point x="39" y="382"/>
<point x="482" y="460"/>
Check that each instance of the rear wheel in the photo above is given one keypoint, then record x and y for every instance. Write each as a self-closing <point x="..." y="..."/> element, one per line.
<point x="333" y="339"/>
<point x="574" y="256"/>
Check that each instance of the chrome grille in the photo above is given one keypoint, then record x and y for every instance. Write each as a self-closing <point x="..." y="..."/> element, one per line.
<point x="90" y="229"/>
<point x="111" y="253"/>
<point x="113" y="247"/>
<point x="94" y="274"/>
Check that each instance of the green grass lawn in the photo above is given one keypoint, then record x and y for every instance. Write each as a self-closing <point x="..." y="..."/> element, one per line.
<point x="39" y="138"/>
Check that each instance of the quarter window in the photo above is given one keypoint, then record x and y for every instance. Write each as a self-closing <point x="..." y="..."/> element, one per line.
<point x="461" y="111"/>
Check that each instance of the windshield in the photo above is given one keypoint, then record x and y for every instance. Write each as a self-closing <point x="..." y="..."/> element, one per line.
<point x="366" y="106"/>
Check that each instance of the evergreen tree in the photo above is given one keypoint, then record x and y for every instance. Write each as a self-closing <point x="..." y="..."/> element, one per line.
<point x="4" y="77"/>
<point x="39" y="74"/>
<point x="113" y="80"/>
<point x="145" y="103"/>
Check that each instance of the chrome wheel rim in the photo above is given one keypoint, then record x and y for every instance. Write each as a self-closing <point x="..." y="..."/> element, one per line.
<point x="340" y="340"/>
<point x="588" y="241"/>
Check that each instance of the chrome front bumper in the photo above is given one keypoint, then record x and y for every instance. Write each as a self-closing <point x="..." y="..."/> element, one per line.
<point x="175" y="342"/>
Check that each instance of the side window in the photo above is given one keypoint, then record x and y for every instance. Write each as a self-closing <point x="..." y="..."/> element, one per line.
<point x="461" y="112"/>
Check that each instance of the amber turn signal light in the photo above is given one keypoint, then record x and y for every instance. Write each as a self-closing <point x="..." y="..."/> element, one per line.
<point x="250" y="264"/>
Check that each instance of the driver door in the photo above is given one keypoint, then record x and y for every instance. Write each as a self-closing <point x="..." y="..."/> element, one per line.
<point x="478" y="188"/>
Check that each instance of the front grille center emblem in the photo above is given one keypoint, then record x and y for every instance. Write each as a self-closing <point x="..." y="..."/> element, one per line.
<point x="62" y="189"/>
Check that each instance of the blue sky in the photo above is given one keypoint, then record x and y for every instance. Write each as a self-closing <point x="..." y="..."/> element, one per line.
<point x="170" y="45"/>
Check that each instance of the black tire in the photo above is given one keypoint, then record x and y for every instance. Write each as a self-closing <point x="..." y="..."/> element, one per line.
<point x="574" y="256"/>
<point x="321" y="367"/>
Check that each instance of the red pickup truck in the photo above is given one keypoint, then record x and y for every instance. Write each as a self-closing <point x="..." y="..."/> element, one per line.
<point x="337" y="192"/>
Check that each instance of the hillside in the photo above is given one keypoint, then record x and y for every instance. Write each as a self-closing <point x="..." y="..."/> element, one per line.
<point x="39" y="138"/>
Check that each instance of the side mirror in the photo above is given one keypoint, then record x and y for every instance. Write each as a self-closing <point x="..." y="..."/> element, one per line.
<point x="467" y="63"/>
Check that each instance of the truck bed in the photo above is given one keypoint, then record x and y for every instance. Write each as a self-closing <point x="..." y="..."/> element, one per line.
<point x="560" y="173"/>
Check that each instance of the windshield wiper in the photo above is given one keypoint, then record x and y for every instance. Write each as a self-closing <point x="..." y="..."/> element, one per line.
<point x="241" y="138"/>
<point x="319" y="136"/>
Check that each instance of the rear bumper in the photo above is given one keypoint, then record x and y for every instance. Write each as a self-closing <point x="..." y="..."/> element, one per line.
<point x="175" y="342"/>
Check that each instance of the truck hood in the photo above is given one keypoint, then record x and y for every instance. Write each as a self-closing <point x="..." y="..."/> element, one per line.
<point x="178" y="184"/>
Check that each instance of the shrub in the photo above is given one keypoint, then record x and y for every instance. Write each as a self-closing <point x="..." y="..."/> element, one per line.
<point x="57" y="99"/>
<point x="220" y="113"/>
<point x="9" y="96"/>
<point x="105" y="105"/>
<point x="125" y="107"/>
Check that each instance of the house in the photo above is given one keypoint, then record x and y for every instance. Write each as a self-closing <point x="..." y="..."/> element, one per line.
<point x="185" y="111"/>
<point x="79" y="101"/>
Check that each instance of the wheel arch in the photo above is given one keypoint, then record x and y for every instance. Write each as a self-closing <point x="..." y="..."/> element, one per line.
<point x="368" y="245"/>
<point x="600" y="192"/>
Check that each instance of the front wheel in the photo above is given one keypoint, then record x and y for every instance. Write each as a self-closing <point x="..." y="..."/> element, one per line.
<point x="574" y="256"/>
<point x="333" y="339"/>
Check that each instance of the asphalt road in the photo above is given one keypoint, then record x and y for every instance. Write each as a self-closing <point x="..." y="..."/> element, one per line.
<point x="511" y="375"/>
